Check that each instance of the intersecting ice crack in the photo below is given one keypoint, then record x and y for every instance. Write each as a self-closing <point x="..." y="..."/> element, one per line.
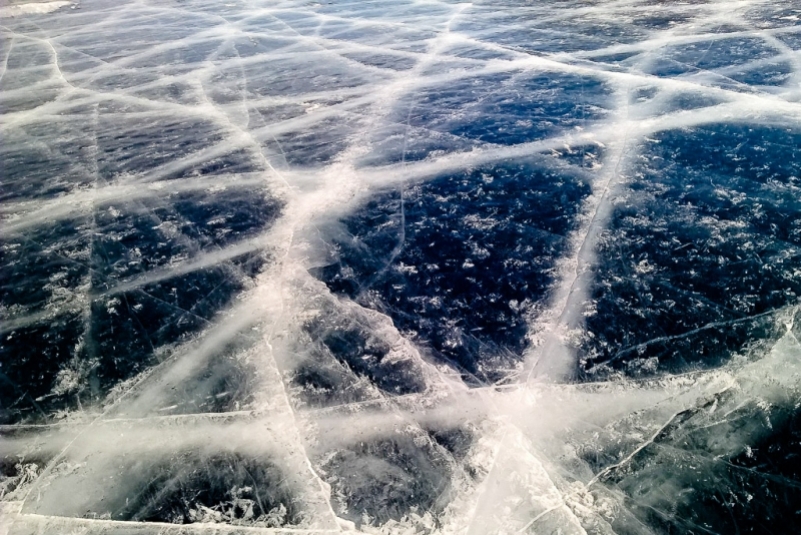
<point x="305" y="103"/>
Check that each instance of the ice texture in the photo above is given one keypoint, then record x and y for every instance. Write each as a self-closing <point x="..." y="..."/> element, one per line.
<point x="400" y="267"/>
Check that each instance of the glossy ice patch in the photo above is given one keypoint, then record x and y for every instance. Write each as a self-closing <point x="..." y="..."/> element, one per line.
<point x="407" y="267"/>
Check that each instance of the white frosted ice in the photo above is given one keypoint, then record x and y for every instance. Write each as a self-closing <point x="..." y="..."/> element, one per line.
<point x="16" y="8"/>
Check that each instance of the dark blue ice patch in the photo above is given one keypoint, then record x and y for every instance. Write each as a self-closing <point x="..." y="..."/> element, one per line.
<point x="256" y="45"/>
<point x="37" y="166"/>
<point x="398" y="142"/>
<point x="134" y="241"/>
<point x="458" y="261"/>
<point x="526" y="32"/>
<point x="51" y="274"/>
<point x="538" y="41"/>
<point x="661" y="21"/>
<point x="30" y="360"/>
<point x="405" y="13"/>
<point x="44" y="275"/>
<point x="793" y="40"/>
<point x="383" y="60"/>
<point x="688" y="101"/>
<point x="221" y="218"/>
<point x="153" y="233"/>
<point x="503" y="109"/>
<point x="473" y="51"/>
<point x="615" y="58"/>
<point x="709" y="55"/>
<point x="668" y="68"/>
<point x="310" y="147"/>
<point x="762" y="154"/>
<point x="131" y="146"/>
<point x="773" y="74"/>
<point x="44" y="266"/>
<point x="703" y="246"/>
<point x="258" y="24"/>
<point x="175" y="92"/>
<point x="298" y="146"/>
<point x="292" y="22"/>
<point x="231" y="162"/>
<point x="123" y="81"/>
<point x="379" y="35"/>
<point x="508" y="109"/>
<point x="110" y="41"/>
<point x="774" y="15"/>
<point x="261" y="115"/>
<point x="135" y="330"/>
<point x="131" y="329"/>
<point x="29" y="100"/>
<point x="174" y="58"/>
<point x="312" y="71"/>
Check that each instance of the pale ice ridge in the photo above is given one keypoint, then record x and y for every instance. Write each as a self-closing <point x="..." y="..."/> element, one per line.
<point x="522" y="473"/>
<point x="23" y="7"/>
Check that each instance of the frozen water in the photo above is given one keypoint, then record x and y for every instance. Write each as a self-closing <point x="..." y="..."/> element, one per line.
<point x="401" y="267"/>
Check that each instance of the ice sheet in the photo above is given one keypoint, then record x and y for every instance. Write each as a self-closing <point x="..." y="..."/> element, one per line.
<point x="400" y="267"/>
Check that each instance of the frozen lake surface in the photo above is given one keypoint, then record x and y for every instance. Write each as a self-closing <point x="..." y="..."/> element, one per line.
<point x="400" y="267"/>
